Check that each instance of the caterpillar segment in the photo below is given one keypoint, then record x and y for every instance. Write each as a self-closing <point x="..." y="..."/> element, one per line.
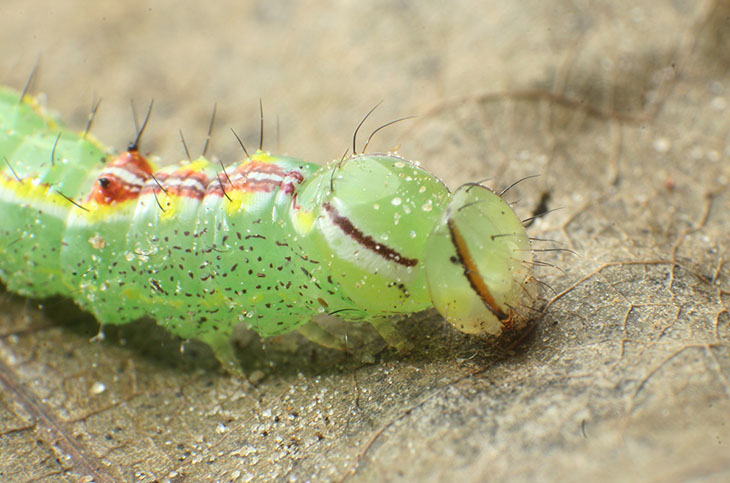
<point x="270" y="241"/>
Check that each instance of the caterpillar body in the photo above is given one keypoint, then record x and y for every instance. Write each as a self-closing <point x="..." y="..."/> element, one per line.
<point x="270" y="241"/>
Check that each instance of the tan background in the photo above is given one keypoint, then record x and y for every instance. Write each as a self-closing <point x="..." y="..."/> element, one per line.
<point x="622" y="109"/>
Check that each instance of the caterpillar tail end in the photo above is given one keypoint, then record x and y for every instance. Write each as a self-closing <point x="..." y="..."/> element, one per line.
<point x="479" y="265"/>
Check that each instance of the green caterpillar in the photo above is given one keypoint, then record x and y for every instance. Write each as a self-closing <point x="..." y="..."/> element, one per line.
<point x="270" y="241"/>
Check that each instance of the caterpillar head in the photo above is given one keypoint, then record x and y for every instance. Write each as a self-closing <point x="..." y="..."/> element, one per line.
<point x="479" y="264"/>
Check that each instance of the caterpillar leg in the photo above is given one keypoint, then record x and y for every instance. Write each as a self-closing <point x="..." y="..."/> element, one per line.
<point x="223" y="349"/>
<point x="321" y="336"/>
<point x="386" y="327"/>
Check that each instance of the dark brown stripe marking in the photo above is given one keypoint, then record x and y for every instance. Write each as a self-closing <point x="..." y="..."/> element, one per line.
<point x="344" y="224"/>
<point x="472" y="273"/>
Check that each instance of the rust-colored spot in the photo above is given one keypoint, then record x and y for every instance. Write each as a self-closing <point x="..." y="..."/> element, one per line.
<point x="122" y="179"/>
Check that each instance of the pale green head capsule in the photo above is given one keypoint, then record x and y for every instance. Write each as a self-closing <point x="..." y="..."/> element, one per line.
<point x="479" y="264"/>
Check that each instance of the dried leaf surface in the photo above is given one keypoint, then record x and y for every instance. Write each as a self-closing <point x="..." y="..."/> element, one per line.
<point x="621" y="108"/>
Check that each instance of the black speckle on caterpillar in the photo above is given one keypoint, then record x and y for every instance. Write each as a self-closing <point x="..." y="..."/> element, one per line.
<point x="270" y="241"/>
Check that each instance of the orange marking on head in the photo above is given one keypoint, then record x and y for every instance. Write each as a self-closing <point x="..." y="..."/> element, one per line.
<point x="471" y="271"/>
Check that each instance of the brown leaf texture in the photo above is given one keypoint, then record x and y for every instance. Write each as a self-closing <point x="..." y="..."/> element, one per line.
<point x="621" y="108"/>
